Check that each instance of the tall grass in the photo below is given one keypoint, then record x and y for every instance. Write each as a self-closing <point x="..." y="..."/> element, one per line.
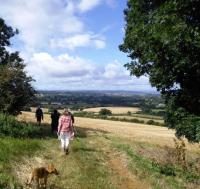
<point x="15" y="142"/>
<point x="160" y="174"/>
<point x="11" y="150"/>
<point x="9" y="126"/>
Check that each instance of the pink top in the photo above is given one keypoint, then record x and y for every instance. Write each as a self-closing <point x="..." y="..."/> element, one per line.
<point x="65" y="124"/>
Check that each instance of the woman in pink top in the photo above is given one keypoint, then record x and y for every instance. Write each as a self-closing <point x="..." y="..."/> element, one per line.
<point x="65" y="130"/>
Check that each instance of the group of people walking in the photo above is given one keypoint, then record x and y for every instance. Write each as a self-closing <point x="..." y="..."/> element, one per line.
<point x="60" y="124"/>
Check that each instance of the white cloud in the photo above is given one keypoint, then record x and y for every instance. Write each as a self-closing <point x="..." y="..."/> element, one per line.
<point x="62" y="66"/>
<point x="56" y="23"/>
<point x="116" y="71"/>
<point x="40" y="21"/>
<point x="86" y="5"/>
<point x="65" y="72"/>
<point x="79" y="40"/>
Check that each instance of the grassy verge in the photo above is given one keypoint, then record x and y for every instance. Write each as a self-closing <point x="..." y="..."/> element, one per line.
<point x="11" y="150"/>
<point x="160" y="175"/>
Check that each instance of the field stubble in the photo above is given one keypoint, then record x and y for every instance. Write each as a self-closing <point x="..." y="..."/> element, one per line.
<point x="132" y="142"/>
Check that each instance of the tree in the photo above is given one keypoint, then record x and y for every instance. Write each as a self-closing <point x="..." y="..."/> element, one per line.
<point x="15" y="86"/>
<point x="105" y="112"/>
<point x="162" y="39"/>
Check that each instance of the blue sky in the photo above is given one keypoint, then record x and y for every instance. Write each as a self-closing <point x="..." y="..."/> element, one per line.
<point x="72" y="44"/>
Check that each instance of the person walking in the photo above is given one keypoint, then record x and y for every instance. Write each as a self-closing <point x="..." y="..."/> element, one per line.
<point x="39" y="115"/>
<point x="54" y="121"/>
<point x="65" y="130"/>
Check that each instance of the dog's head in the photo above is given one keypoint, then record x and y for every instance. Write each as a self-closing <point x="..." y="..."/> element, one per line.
<point x="52" y="170"/>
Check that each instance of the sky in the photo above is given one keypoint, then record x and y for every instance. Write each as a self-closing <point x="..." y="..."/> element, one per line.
<point x="72" y="44"/>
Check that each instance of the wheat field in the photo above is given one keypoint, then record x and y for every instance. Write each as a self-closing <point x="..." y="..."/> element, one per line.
<point x="109" y="155"/>
<point x="115" y="110"/>
<point x="157" y="135"/>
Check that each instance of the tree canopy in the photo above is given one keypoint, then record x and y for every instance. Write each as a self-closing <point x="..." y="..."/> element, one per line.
<point x="162" y="38"/>
<point x="105" y="111"/>
<point x="15" y="86"/>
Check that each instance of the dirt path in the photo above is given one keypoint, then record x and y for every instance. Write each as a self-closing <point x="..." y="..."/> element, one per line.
<point x="72" y="165"/>
<point x="128" y="181"/>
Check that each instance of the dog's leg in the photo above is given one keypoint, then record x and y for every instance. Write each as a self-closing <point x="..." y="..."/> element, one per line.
<point x="37" y="182"/>
<point x="30" y="180"/>
<point x="45" y="182"/>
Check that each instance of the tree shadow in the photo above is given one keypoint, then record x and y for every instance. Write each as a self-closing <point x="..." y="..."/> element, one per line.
<point x="44" y="131"/>
<point x="84" y="132"/>
<point x="85" y="149"/>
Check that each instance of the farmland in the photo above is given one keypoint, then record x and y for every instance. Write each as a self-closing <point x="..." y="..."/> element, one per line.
<point x="115" y="110"/>
<point x="105" y="155"/>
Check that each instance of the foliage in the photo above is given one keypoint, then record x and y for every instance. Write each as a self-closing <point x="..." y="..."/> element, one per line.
<point x="105" y="111"/>
<point x="163" y="41"/>
<point x="185" y="124"/>
<point x="15" y="86"/>
<point x="9" y="126"/>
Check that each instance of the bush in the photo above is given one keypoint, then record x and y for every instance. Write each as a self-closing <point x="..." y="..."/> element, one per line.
<point x="9" y="126"/>
<point x="105" y="111"/>
<point x="150" y="122"/>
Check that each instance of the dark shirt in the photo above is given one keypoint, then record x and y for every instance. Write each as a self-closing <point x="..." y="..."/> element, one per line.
<point x="39" y="113"/>
<point x="54" y="119"/>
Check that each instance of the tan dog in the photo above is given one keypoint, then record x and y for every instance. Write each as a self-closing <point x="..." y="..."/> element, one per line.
<point x="40" y="175"/>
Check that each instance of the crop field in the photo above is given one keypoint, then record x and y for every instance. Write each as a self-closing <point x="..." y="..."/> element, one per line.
<point x="137" y="117"/>
<point x="115" y="110"/>
<point x="106" y="155"/>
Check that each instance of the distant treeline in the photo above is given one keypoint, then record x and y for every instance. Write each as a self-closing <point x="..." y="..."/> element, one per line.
<point x="79" y="100"/>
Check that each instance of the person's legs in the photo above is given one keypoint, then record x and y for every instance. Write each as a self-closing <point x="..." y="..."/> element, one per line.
<point x="62" y="140"/>
<point x="52" y="128"/>
<point x="39" y="120"/>
<point x="65" y="137"/>
<point x="67" y="143"/>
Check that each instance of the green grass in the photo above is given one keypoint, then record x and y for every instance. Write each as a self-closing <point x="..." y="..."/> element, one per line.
<point x="11" y="150"/>
<point x="9" y="126"/>
<point x="87" y="165"/>
<point x="83" y="168"/>
<point x="159" y="175"/>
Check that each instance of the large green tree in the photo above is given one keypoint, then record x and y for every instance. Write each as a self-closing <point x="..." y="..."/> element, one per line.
<point x="15" y="86"/>
<point x="162" y="38"/>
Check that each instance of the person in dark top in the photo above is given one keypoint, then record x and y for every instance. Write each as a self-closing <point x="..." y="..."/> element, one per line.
<point x="39" y="115"/>
<point x="72" y="117"/>
<point x="54" y="121"/>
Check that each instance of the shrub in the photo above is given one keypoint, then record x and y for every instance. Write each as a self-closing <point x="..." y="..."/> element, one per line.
<point x="9" y="126"/>
<point x="105" y="111"/>
<point x="129" y="113"/>
<point x="150" y="122"/>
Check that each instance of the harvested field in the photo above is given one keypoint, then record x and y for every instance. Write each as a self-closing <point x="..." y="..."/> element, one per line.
<point x="137" y="117"/>
<point x="138" y="132"/>
<point x="115" y="110"/>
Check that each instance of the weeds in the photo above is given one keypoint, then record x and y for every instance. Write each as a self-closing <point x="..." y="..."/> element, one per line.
<point x="180" y="151"/>
<point x="12" y="150"/>
<point x="172" y="170"/>
<point x="9" y="126"/>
